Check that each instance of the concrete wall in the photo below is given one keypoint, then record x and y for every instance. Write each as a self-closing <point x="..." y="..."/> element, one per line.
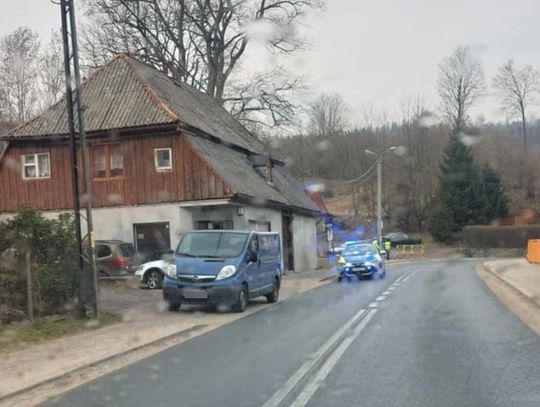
<point x="261" y="215"/>
<point x="117" y="223"/>
<point x="304" y="230"/>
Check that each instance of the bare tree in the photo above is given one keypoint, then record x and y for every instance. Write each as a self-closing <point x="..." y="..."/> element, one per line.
<point x="202" y="42"/>
<point x="461" y="82"/>
<point x="264" y="101"/>
<point x="18" y="72"/>
<point x="327" y="115"/>
<point x="51" y="71"/>
<point x="517" y="89"/>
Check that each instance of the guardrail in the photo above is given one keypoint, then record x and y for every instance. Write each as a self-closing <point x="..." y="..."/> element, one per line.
<point x="533" y="251"/>
<point x="408" y="251"/>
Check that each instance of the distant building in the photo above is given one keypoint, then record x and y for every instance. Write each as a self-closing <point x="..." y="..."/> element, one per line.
<point x="165" y="158"/>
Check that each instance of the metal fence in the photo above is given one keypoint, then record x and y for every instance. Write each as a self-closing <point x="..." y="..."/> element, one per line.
<point x="408" y="251"/>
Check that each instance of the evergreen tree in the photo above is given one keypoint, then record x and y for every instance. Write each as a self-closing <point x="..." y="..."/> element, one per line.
<point x="497" y="201"/>
<point x="461" y="194"/>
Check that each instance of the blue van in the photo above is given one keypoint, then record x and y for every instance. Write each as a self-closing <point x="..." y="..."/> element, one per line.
<point x="223" y="268"/>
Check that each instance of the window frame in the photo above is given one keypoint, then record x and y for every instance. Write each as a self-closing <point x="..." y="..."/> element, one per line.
<point x="156" y="163"/>
<point x="107" y="154"/>
<point x="35" y="164"/>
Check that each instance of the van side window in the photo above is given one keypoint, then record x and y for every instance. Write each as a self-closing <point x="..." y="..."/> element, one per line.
<point x="269" y="247"/>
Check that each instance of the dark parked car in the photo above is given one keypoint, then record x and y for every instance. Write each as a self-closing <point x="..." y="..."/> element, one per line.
<point x="116" y="258"/>
<point x="398" y="238"/>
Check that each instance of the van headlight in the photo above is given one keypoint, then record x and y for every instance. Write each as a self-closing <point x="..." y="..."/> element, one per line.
<point x="225" y="272"/>
<point x="170" y="270"/>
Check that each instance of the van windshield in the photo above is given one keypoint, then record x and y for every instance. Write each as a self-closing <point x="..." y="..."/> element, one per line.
<point x="212" y="244"/>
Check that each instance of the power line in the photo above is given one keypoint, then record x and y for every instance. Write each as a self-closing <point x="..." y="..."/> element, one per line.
<point x="362" y="176"/>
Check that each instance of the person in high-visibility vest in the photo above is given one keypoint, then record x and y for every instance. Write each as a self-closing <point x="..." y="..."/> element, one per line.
<point x="375" y="244"/>
<point x="387" y="248"/>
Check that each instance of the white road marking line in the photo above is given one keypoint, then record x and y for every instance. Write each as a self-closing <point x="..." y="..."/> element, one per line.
<point x="408" y="276"/>
<point x="310" y="389"/>
<point x="391" y="289"/>
<point x="372" y="305"/>
<point x="380" y="298"/>
<point x="293" y="381"/>
<point x="400" y="278"/>
<point x="387" y="292"/>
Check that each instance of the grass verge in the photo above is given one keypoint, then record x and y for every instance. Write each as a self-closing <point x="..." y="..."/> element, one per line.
<point x="19" y="335"/>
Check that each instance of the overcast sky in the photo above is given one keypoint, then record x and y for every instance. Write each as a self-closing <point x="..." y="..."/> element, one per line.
<point x="381" y="51"/>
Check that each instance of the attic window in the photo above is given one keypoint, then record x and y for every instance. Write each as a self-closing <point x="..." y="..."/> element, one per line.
<point x="268" y="172"/>
<point x="36" y="166"/>
<point x="163" y="159"/>
<point x="263" y="165"/>
<point x="107" y="161"/>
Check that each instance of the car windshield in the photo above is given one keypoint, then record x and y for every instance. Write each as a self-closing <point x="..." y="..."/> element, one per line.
<point x="212" y="244"/>
<point x="363" y="250"/>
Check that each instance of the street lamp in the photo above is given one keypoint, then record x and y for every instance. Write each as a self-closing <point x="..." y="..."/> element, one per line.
<point x="379" y="190"/>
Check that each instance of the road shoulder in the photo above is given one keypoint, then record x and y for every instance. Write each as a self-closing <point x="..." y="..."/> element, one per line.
<point x="515" y="284"/>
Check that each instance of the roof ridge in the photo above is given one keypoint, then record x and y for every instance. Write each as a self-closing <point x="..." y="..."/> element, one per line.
<point x="147" y="88"/>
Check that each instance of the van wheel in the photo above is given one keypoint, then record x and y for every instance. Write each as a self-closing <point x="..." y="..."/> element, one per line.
<point x="241" y="303"/>
<point x="174" y="306"/>
<point x="274" y="295"/>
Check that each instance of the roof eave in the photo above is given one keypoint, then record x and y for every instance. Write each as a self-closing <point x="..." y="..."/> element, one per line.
<point x="274" y="204"/>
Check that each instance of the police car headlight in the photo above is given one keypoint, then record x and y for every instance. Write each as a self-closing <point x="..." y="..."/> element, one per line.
<point x="170" y="270"/>
<point x="226" y="272"/>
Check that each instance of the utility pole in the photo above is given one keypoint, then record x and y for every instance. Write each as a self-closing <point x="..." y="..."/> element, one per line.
<point x="379" y="192"/>
<point x="379" y="201"/>
<point x="88" y="290"/>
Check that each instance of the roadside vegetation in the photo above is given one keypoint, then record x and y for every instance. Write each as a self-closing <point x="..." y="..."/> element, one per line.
<point x="37" y="262"/>
<point x="18" y="335"/>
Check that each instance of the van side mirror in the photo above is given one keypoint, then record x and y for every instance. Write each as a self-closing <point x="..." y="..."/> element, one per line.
<point x="252" y="257"/>
<point x="170" y="251"/>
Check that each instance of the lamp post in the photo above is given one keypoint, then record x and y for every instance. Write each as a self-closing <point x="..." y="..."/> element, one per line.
<point x="379" y="191"/>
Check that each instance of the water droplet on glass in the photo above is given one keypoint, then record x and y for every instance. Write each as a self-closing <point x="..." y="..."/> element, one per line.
<point x="468" y="140"/>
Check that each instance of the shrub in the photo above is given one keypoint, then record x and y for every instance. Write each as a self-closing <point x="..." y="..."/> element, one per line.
<point x="53" y="263"/>
<point x="499" y="237"/>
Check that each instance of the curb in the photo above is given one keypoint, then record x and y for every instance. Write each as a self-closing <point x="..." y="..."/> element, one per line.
<point x="96" y="363"/>
<point x="511" y="286"/>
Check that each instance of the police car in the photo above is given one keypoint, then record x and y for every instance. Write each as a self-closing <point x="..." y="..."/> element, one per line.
<point x="362" y="260"/>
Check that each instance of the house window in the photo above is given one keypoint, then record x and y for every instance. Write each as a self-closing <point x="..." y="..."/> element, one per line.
<point x="36" y="166"/>
<point x="260" y="226"/>
<point x="107" y="161"/>
<point x="163" y="159"/>
<point x="210" y="225"/>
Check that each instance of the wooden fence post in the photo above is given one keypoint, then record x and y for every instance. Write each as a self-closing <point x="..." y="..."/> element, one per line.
<point x="29" y="299"/>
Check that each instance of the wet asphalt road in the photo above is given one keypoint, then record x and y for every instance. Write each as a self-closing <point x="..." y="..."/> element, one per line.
<point x="430" y="334"/>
